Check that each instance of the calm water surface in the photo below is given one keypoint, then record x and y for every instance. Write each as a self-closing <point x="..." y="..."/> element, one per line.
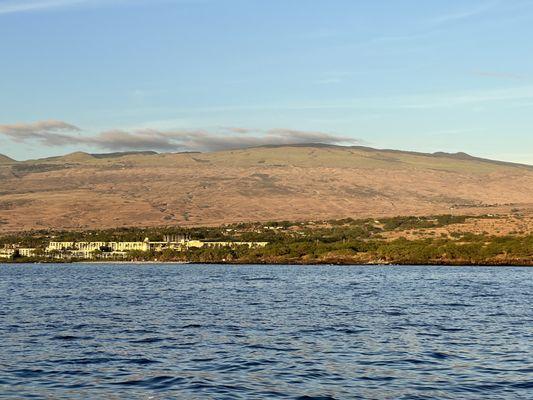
<point x="196" y="332"/>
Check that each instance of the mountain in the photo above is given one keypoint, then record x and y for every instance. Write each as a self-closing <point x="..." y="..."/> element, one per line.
<point x="5" y="159"/>
<point x="123" y="153"/>
<point x="82" y="157"/>
<point x="300" y="182"/>
<point x="76" y="157"/>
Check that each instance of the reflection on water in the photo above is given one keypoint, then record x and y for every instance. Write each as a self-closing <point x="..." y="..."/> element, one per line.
<point x="196" y="331"/>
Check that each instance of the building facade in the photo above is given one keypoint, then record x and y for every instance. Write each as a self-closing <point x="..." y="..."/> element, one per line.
<point x="90" y="250"/>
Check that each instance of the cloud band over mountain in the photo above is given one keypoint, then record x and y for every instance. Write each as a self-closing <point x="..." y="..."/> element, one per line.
<point x="49" y="133"/>
<point x="58" y="133"/>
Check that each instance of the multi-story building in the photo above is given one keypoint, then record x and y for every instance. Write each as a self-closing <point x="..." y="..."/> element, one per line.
<point x="11" y="251"/>
<point x="7" y="252"/>
<point x="200" y="244"/>
<point x="90" y="250"/>
<point x="26" y="251"/>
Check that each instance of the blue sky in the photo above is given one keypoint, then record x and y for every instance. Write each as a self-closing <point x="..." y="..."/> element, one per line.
<point x="107" y="75"/>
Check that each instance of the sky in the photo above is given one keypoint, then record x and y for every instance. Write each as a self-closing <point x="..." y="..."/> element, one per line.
<point x="179" y="75"/>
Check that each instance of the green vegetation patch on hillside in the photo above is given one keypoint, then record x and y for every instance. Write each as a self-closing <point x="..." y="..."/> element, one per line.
<point x="346" y="241"/>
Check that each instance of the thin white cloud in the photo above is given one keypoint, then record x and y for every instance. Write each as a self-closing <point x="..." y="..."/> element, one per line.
<point x="16" y="6"/>
<point x="205" y="140"/>
<point x="465" y="98"/>
<point x="518" y="95"/>
<point x="59" y="133"/>
<point x="50" y="133"/>
<point x="328" y="81"/>
<point x="464" y="13"/>
<point x="500" y="75"/>
<point x="19" y="6"/>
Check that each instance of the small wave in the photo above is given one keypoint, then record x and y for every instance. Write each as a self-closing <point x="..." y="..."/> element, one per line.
<point x="415" y="361"/>
<point x="142" y="361"/>
<point x="29" y="373"/>
<point x="446" y="329"/>
<point x="84" y="361"/>
<point x="70" y="337"/>
<point x="147" y="340"/>
<point x="438" y="355"/>
<point x="523" y="385"/>
<point x="79" y="326"/>
<point x="349" y="331"/>
<point x="259" y="279"/>
<point x="455" y="305"/>
<point x="157" y="382"/>
<point x="378" y="378"/>
<point x="263" y="347"/>
<point x="394" y="313"/>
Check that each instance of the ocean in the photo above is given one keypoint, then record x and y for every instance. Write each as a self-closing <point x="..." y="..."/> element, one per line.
<point x="165" y="331"/>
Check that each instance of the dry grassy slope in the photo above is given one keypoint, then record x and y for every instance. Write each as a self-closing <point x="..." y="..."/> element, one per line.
<point x="5" y="159"/>
<point x="86" y="191"/>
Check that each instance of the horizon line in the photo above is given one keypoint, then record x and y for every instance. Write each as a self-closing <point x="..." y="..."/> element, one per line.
<point x="460" y="155"/>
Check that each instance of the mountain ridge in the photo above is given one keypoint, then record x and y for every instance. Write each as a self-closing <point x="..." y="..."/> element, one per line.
<point x="5" y="159"/>
<point x="81" y="191"/>
<point x="81" y="156"/>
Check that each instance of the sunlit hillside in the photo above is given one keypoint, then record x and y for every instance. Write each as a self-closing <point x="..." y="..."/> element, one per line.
<point x="81" y="190"/>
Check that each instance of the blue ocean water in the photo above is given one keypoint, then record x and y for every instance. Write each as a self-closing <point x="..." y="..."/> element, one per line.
<point x="254" y="332"/>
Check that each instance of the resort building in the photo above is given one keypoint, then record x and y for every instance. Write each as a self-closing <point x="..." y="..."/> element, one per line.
<point x="200" y="244"/>
<point x="101" y="246"/>
<point x="26" y="251"/>
<point x="7" y="252"/>
<point x="89" y="250"/>
<point x="11" y="251"/>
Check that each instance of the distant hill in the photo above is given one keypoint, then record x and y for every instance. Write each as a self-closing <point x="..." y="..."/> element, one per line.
<point x="5" y="159"/>
<point x="296" y="182"/>
<point x="124" y="153"/>
<point x="78" y="156"/>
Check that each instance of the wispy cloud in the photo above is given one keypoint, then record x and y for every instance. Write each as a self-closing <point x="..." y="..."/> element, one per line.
<point x="423" y="100"/>
<point x="15" y="6"/>
<point x="328" y="81"/>
<point x="58" y="133"/>
<point x="50" y="133"/>
<point x="464" y="13"/>
<point x="467" y="98"/>
<point x="500" y="75"/>
<point x="366" y="106"/>
<point x="205" y="140"/>
<point x="236" y="129"/>
<point x="19" y="6"/>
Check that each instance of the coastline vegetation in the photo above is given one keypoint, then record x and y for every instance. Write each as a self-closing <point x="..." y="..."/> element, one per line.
<point x="397" y="240"/>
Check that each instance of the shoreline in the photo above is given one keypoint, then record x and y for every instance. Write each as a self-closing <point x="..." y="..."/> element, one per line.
<point x="431" y="240"/>
<point x="392" y="264"/>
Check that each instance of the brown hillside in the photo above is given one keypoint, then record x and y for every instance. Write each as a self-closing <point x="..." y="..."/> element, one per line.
<point x="265" y="183"/>
<point x="5" y="159"/>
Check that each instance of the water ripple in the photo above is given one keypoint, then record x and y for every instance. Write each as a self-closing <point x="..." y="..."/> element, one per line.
<point x="255" y="332"/>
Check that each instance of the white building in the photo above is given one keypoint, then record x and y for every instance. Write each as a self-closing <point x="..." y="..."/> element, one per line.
<point x="7" y="252"/>
<point x="89" y="250"/>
